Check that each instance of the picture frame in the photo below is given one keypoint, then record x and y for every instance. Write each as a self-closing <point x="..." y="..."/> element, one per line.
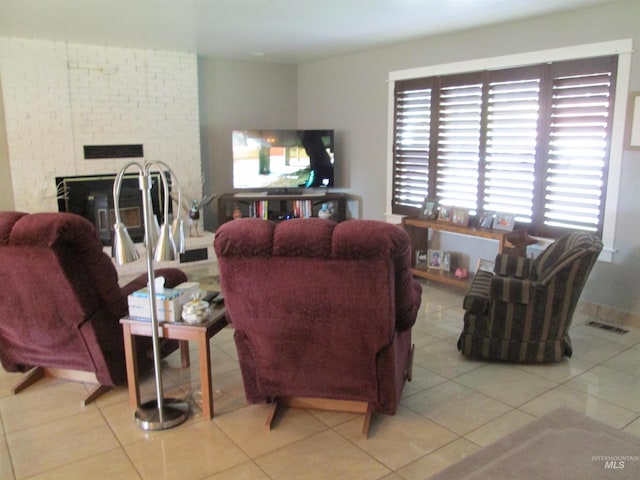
<point x="429" y="209"/>
<point x="485" y="265"/>
<point x="435" y="259"/>
<point x="460" y="216"/>
<point x="422" y="259"/>
<point x="446" y="261"/>
<point x="445" y="214"/>
<point x="504" y="221"/>
<point x="485" y="220"/>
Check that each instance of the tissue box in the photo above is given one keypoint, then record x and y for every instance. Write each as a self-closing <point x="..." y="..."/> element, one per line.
<point x="169" y="302"/>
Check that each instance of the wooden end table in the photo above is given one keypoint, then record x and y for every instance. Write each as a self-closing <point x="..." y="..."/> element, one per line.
<point x="184" y="332"/>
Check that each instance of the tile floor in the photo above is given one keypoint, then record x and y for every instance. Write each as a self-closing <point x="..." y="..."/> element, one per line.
<point x="453" y="407"/>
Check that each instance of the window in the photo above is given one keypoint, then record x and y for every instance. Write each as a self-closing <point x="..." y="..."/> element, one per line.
<point x="533" y="141"/>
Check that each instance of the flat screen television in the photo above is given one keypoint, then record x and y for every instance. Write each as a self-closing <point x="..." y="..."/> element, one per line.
<point x="283" y="160"/>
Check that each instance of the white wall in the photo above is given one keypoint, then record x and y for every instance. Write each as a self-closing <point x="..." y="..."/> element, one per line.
<point x="350" y="93"/>
<point x="60" y="96"/>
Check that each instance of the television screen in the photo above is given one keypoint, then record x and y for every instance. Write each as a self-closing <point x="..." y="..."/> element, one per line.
<point x="283" y="159"/>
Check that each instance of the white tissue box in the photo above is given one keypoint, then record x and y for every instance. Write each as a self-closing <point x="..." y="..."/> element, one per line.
<point x="169" y="302"/>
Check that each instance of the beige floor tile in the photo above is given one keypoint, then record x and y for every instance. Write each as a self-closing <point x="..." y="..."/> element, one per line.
<point x="113" y="465"/>
<point x="616" y="387"/>
<point x="189" y="451"/>
<point x="456" y="407"/>
<point x="634" y="427"/>
<point x="334" y="418"/>
<point x="498" y="428"/>
<point x="7" y="382"/>
<point x="560" y="371"/>
<point x="593" y="407"/>
<point x="321" y="456"/>
<point x="47" y="400"/>
<point x="506" y="383"/>
<point x="444" y="359"/>
<point x="245" y="471"/>
<point x="431" y="464"/>
<point x="592" y="348"/>
<point x="420" y="339"/>
<point x="56" y="443"/>
<point x="398" y="440"/>
<point x="114" y="395"/>
<point x="626" y="362"/>
<point x="6" y="469"/>
<point x="422" y="379"/>
<point x="245" y="426"/>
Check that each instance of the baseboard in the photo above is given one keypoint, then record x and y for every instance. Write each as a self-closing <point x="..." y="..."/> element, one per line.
<point x="610" y="315"/>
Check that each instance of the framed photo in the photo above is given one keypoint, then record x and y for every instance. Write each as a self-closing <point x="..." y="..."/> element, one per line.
<point x="446" y="261"/>
<point x="485" y="220"/>
<point x="485" y="265"/>
<point x="429" y="209"/>
<point x="422" y="259"/>
<point x="460" y="216"/>
<point x="504" y="221"/>
<point x="435" y="259"/>
<point x="445" y="214"/>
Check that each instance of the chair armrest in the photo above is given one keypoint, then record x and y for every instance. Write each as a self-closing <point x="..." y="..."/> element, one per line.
<point x="513" y="290"/>
<point x="477" y="298"/>
<point x="512" y="266"/>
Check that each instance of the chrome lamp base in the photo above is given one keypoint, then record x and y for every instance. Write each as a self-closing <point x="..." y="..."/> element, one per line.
<point x="174" y="412"/>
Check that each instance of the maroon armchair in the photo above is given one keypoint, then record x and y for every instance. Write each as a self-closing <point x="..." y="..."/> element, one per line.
<point x="61" y="302"/>
<point x="322" y="312"/>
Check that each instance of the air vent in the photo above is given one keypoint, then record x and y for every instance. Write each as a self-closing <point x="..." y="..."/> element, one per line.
<point x="92" y="152"/>
<point x="609" y="328"/>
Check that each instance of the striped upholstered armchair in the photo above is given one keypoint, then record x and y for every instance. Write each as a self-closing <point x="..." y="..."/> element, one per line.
<point x="521" y="312"/>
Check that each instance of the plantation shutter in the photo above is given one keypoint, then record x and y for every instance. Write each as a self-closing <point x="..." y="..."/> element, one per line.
<point x="411" y="145"/>
<point x="512" y="133"/>
<point x="530" y="141"/>
<point x="577" y="155"/>
<point x="458" y="149"/>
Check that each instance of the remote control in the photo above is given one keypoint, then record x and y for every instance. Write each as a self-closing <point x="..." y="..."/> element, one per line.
<point x="210" y="296"/>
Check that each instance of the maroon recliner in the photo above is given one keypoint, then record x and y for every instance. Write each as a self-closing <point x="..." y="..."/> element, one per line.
<point x="61" y="304"/>
<point x="322" y="311"/>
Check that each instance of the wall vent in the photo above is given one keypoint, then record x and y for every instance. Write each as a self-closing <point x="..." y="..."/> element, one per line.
<point x="609" y="328"/>
<point x="92" y="152"/>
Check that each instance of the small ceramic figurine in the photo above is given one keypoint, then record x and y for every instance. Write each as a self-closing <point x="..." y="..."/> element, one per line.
<point x="324" y="212"/>
<point x="194" y="213"/>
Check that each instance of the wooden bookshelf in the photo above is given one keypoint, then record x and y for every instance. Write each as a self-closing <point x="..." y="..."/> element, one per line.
<point x="418" y="230"/>
<point x="278" y="207"/>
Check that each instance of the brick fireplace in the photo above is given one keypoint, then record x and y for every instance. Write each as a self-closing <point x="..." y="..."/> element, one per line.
<point x="61" y="97"/>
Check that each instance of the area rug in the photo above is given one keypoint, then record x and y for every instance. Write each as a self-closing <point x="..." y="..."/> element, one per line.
<point x="563" y="444"/>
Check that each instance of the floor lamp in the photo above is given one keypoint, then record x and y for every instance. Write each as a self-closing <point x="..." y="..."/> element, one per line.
<point x="162" y="413"/>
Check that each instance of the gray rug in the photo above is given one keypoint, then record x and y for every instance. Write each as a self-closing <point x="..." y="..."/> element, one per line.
<point x="561" y="445"/>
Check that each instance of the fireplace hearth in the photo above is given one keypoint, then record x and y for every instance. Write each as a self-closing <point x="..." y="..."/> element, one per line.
<point x="92" y="197"/>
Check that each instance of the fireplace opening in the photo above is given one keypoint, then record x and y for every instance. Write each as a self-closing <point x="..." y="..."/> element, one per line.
<point x="92" y="197"/>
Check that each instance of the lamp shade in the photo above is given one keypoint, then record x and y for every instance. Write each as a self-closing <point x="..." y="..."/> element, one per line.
<point x="166" y="247"/>
<point x="124" y="250"/>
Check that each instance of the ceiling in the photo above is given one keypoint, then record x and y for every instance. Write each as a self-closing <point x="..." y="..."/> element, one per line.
<point x="288" y="31"/>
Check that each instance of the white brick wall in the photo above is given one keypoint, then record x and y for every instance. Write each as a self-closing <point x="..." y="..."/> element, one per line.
<point x="60" y="96"/>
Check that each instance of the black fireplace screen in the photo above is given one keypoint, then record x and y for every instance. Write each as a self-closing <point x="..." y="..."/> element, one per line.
<point x="92" y="197"/>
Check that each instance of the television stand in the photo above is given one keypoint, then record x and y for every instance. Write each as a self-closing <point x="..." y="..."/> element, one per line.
<point x="281" y="206"/>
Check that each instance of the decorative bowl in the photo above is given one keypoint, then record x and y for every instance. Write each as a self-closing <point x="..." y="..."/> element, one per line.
<point x="195" y="312"/>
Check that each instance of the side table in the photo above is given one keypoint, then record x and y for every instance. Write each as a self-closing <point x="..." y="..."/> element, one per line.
<point x="200" y="333"/>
